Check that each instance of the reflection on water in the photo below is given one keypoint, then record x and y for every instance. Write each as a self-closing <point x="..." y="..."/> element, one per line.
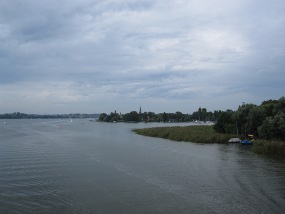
<point x="54" y="166"/>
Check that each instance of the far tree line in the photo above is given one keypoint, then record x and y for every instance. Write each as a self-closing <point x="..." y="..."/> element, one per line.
<point x="200" y="115"/>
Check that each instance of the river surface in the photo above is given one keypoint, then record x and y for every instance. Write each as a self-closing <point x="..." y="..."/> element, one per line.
<point x="58" y="166"/>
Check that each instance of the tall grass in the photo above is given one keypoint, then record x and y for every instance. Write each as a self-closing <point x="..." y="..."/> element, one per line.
<point x="197" y="134"/>
<point x="206" y="134"/>
<point x="269" y="147"/>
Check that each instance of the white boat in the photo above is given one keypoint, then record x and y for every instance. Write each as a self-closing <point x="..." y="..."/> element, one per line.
<point x="234" y="140"/>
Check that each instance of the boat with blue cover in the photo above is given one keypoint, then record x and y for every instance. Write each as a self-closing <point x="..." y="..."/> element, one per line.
<point x="246" y="142"/>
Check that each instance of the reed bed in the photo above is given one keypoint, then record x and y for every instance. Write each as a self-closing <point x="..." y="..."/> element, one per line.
<point x="269" y="147"/>
<point x="206" y="134"/>
<point x="196" y="134"/>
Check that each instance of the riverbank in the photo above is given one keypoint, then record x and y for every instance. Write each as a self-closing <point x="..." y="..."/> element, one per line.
<point x="206" y="134"/>
<point x="197" y="134"/>
<point x="269" y="147"/>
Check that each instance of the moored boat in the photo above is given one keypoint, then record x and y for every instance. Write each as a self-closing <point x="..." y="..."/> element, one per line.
<point x="234" y="140"/>
<point x="246" y="142"/>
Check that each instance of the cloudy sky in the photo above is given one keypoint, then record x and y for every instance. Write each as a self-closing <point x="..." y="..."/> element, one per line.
<point x="93" y="56"/>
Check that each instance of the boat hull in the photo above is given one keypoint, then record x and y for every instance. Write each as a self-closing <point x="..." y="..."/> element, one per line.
<point x="246" y="142"/>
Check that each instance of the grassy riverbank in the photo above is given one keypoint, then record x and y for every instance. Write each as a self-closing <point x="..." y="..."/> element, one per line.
<point x="206" y="134"/>
<point x="197" y="134"/>
<point x="269" y="147"/>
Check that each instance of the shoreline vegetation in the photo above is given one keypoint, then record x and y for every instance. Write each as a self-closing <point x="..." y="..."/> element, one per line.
<point x="196" y="134"/>
<point x="207" y="135"/>
<point x="264" y="124"/>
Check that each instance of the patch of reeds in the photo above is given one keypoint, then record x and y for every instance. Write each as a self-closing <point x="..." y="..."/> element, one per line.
<point x="206" y="134"/>
<point x="269" y="147"/>
<point x="197" y="134"/>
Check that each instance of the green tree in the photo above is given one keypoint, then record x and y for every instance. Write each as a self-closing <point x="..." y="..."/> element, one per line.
<point x="145" y="116"/>
<point x="203" y="114"/>
<point x="242" y="118"/>
<point x="273" y="127"/>
<point x="200" y="113"/>
<point x="225" y="123"/>
<point x="133" y="116"/>
<point x="179" y="116"/>
<point x="280" y="106"/>
<point x="255" y="118"/>
<point x="102" y="116"/>
<point x="268" y="107"/>
<point x="164" y="117"/>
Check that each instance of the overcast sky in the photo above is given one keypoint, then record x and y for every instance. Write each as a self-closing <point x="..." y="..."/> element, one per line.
<point x="93" y="56"/>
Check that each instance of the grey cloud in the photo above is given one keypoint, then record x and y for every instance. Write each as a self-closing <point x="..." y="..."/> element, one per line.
<point x="176" y="50"/>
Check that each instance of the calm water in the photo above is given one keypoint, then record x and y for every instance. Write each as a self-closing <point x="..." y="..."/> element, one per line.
<point x="54" y="166"/>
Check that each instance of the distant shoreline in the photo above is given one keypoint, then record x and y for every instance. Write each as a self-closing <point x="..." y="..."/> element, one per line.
<point x="18" y="115"/>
